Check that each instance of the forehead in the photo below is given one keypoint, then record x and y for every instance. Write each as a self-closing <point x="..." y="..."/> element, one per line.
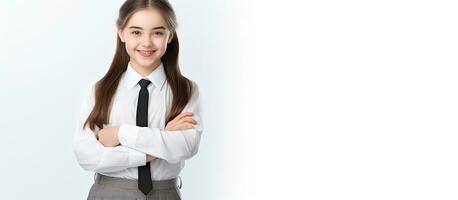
<point x="147" y="18"/>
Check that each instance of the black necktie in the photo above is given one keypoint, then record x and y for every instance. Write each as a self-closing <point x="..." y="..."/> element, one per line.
<point x="144" y="174"/>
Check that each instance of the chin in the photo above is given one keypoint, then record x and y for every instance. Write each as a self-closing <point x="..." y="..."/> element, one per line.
<point x="146" y="63"/>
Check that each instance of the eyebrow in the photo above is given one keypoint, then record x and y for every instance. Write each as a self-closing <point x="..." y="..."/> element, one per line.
<point x="155" y="28"/>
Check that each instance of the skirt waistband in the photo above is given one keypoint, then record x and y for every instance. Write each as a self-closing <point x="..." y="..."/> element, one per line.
<point x="133" y="184"/>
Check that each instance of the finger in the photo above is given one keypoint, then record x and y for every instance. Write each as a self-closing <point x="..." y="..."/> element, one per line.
<point x="181" y="115"/>
<point x="185" y="126"/>
<point x="188" y="119"/>
<point x="173" y="126"/>
<point x="184" y="114"/>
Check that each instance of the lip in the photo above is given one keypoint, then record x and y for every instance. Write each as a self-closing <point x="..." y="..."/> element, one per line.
<point x="146" y="53"/>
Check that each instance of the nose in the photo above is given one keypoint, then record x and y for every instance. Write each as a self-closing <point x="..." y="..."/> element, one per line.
<point x="146" y="41"/>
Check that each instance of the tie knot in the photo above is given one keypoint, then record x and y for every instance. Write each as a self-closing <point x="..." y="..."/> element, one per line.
<point x="144" y="83"/>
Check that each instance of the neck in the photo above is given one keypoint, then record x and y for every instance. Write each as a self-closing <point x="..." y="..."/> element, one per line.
<point x="145" y="71"/>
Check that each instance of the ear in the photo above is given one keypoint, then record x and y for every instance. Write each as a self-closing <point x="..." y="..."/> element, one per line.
<point x="170" y="38"/>
<point x="120" y="35"/>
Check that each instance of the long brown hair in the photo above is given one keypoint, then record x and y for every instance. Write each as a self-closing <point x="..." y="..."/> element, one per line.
<point x="105" y="88"/>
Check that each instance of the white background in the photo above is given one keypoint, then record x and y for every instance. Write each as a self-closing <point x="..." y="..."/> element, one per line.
<point x="302" y="99"/>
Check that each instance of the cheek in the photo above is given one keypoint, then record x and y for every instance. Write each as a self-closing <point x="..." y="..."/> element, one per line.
<point x="161" y="45"/>
<point x="130" y="46"/>
<point x="130" y="43"/>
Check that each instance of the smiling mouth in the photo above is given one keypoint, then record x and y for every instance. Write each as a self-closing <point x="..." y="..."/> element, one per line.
<point x="146" y="53"/>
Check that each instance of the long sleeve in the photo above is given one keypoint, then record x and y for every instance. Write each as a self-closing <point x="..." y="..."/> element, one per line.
<point x="92" y="155"/>
<point x="172" y="146"/>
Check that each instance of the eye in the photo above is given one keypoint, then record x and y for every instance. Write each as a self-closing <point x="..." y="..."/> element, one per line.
<point x="135" y="32"/>
<point x="158" y="33"/>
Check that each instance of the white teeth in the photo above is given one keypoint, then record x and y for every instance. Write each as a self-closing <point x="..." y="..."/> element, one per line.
<point x="146" y="53"/>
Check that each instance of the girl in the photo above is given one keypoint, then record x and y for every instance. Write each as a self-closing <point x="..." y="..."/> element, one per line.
<point x="143" y="119"/>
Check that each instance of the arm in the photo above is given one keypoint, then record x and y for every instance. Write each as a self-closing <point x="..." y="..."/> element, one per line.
<point x="108" y="136"/>
<point x="172" y="146"/>
<point x="92" y="155"/>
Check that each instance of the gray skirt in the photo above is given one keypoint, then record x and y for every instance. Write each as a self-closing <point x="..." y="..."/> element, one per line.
<point x="106" y="187"/>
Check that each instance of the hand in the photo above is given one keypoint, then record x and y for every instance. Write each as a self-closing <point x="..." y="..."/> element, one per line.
<point x="181" y="122"/>
<point x="109" y="136"/>
<point x="149" y="158"/>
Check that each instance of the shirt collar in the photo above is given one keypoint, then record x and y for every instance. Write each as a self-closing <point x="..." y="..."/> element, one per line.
<point x="157" y="77"/>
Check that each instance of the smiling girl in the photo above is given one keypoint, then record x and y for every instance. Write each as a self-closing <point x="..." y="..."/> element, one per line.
<point x="143" y="119"/>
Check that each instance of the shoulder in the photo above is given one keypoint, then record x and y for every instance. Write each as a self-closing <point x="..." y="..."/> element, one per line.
<point x="191" y="84"/>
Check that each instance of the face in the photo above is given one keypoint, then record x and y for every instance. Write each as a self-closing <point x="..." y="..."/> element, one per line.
<point x="146" y="37"/>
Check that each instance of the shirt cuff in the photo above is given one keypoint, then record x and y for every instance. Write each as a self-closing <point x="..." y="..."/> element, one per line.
<point x="136" y="158"/>
<point x="127" y="135"/>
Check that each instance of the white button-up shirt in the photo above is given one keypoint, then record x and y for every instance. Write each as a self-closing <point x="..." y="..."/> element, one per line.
<point x="171" y="148"/>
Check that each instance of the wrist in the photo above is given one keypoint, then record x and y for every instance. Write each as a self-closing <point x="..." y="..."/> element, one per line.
<point x="149" y="158"/>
